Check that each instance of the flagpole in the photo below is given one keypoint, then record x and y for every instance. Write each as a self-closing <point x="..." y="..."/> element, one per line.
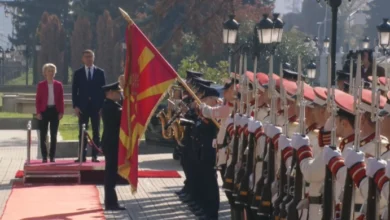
<point x="179" y="79"/>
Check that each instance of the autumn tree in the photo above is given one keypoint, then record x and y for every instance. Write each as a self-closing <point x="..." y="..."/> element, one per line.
<point x="81" y="40"/>
<point x="105" y="44"/>
<point x="52" y="38"/>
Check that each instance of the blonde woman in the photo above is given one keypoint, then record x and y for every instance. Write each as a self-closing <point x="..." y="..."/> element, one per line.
<point x="49" y="103"/>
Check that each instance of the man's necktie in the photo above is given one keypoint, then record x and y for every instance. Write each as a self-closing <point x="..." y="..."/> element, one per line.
<point x="89" y="74"/>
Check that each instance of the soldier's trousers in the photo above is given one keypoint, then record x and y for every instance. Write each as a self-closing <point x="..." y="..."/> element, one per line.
<point x="110" y="177"/>
<point x="210" y="189"/>
<point x="184" y="160"/>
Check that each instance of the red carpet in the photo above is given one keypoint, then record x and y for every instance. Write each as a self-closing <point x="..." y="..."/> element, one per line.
<point x="73" y="202"/>
<point x="141" y="173"/>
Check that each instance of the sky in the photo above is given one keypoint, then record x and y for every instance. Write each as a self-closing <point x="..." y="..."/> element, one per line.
<point x="5" y="29"/>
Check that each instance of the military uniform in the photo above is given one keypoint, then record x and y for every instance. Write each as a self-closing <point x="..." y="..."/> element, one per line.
<point x="111" y="115"/>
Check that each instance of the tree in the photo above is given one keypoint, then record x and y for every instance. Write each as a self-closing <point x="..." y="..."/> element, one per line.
<point x="105" y="43"/>
<point x="81" y="40"/>
<point x="51" y="35"/>
<point x="216" y="74"/>
<point x="27" y="14"/>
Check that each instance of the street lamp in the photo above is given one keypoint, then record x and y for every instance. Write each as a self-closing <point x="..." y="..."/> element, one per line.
<point x="264" y="30"/>
<point x="7" y="54"/>
<point x="230" y="30"/>
<point x="277" y="31"/>
<point x="311" y="69"/>
<point x="307" y="41"/>
<point x="366" y="43"/>
<point x="326" y="43"/>
<point x="384" y="33"/>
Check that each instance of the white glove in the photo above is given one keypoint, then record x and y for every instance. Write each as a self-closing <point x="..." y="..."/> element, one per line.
<point x="385" y="214"/>
<point x="299" y="141"/>
<point x="272" y="130"/>
<point x="243" y="121"/>
<point x="352" y="157"/>
<point x="228" y="122"/>
<point x="253" y="125"/>
<point x="222" y="156"/>
<point x="202" y="105"/>
<point x="214" y="143"/>
<point x="387" y="173"/>
<point x="274" y="187"/>
<point x="303" y="204"/>
<point x="284" y="142"/>
<point x="237" y="118"/>
<point x="329" y="154"/>
<point x="373" y="165"/>
<point x="328" y="124"/>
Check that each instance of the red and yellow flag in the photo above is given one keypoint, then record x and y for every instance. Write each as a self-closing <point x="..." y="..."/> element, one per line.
<point x="148" y="76"/>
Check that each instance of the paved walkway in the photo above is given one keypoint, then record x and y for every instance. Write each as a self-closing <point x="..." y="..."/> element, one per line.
<point x="154" y="199"/>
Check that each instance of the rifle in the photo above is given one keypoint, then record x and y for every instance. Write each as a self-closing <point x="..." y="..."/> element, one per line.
<point x="265" y="207"/>
<point x="239" y="172"/>
<point x="373" y="197"/>
<point x="298" y="181"/>
<point x="260" y="183"/>
<point x="282" y="171"/>
<point x="245" y="194"/>
<point x="228" y="184"/>
<point x="349" y="189"/>
<point x="328" y="195"/>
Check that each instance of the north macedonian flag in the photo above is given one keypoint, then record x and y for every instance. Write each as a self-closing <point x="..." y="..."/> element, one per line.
<point x="148" y="76"/>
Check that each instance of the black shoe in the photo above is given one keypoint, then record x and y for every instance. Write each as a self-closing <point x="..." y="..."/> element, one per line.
<point x="115" y="208"/>
<point x="52" y="160"/>
<point x="44" y="160"/>
<point x="95" y="160"/>
<point x="78" y="161"/>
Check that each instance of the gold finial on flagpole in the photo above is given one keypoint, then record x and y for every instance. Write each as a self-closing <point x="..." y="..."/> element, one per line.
<point x="126" y="16"/>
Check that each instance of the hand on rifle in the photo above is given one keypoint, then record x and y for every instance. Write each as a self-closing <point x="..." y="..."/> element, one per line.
<point x="298" y="141"/>
<point x="373" y="165"/>
<point x="253" y="125"/>
<point x="303" y="204"/>
<point x="352" y="157"/>
<point x="271" y="130"/>
<point x="329" y="153"/>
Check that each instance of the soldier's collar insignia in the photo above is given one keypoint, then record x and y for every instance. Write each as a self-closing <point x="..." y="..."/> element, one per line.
<point x="368" y="139"/>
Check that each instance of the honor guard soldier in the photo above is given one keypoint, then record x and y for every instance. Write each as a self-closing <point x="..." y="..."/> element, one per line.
<point x="111" y="115"/>
<point x="188" y="120"/>
<point x="354" y="160"/>
<point x="203" y="134"/>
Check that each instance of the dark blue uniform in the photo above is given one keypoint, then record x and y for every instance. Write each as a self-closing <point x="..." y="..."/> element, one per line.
<point x="206" y="184"/>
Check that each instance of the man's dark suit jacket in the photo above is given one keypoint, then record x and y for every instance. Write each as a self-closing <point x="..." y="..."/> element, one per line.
<point x="86" y="93"/>
<point x="380" y="72"/>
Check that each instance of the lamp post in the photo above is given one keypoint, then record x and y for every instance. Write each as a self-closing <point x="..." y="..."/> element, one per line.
<point x="229" y="36"/>
<point x="311" y="70"/>
<point x="384" y="33"/>
<point x="307" y="41"/>
<point x="35" y="63"/>
<point x="366" y="42"/>
<point x="326" y="44"/>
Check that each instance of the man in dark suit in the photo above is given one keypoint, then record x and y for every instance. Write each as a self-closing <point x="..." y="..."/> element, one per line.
<point x="111" y="114"/>
<point x="88" y="97"/>
<point x="367" y="60"/>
